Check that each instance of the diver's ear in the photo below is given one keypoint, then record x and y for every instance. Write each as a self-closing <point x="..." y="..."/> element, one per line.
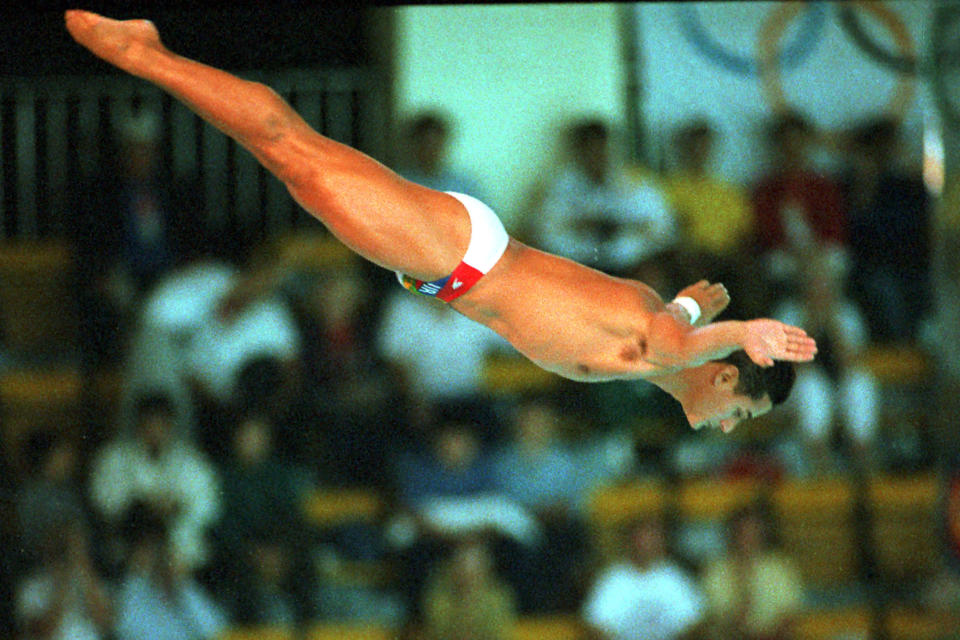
<point x="726" y="377"/>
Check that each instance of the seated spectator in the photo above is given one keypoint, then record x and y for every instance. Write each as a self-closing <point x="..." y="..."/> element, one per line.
<point x="165" y="471"/>
<point x="50" y="497"/>
<point x="64" y="598"/>
<point x="542" y="475"/>
<point x="346" y="417"/>
<point x="889" y="234"/>
<point x="157" y="598"/>
<point x="595" y="213"/>
<point x="437" y="355"/>
<point x="426" y="144"/>
<point x="134" y="222"/>
<point x="714" y="217"/>
<point x="645" y="595"/>
<point x="261" y="535"/>
<point x="753" y="592"/>
<point x="800" y="212"/>
<point x="264" y="592"/>
<point x="464" y="599"/>
<point x="449" y="493"/>
<point x="836" y="383"/>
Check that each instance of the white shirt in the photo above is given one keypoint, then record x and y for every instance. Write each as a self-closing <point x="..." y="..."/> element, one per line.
<point x="124" y="472"/>
<point x="627" y="603"/>
<point x="442" y="351"/>
<point x="642" y="218"/>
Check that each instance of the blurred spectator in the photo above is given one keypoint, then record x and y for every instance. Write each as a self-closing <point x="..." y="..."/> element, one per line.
<point x="542" y="475"/>
<point x="425" y="146"/>
<point x="261" y="538"/>
<point x="800" y="213"/>
<point x="889" y="233"/>
<point x="595" y="213"/>
<point x="50" y="497"/>
<point x="438" y="354"/>
<point x="134" y="222"/>
<point x="715" y="217"/>
<point x="837" y="383"/>
<point x="157" y="598"/>
<point x="464" y="599"/>
<point x="347" y="417"/>
<point x="754" y="592"/>
<point x="264" y="592"/>
<point x="448" y="493"/>
<point x="645" y="596"/>
<point x="63" y="598"/>
<point x="164" y="471"/>
<point x="220" y="331"/>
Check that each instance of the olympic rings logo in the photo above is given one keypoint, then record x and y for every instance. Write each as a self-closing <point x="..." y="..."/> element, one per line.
<point x="771" y="59"/>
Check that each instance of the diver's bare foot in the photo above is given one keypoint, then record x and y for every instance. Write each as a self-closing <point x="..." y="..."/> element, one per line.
<point x="712" y="298"/>
<point x="121" y="43"/>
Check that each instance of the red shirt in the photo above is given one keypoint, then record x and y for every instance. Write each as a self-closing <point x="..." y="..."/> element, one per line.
<point x="815" y="195"/>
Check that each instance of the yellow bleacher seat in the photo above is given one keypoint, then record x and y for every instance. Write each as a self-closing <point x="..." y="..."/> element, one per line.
<point x="557" y="627"/>
<point x="512" y="374"/>
<point x="905" y="526"/>
<point x="610" y="508"/>
<point x="326" y="631"/>
<point x="258" y="633"/>
<point x="35" y="399"/>
<point x="326" y="507"/>
<point x="852" y="623"/>
<point x="313" y="251"/>
<point x="37" y="303"/>
<point x="911" y="624"/>
<point x="816" y="527"/>
<point x="897" y="364"/>
<point x="711" y="499"/>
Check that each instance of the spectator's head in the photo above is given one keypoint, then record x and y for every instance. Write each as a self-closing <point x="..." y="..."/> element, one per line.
<point x="253" y="439"/>
<point x="694" y="145"/>
<point x="456" y="446"/>
<point x="337" y="296"/>
<point x="874" y="143"/>
<point x="138" y="136"/>
<point x="51" y="456"/>
<point x="790" y="137"/>
<point x="270" y="556"/>
<point x="154" y="417"/>
<point x="536" y="426"/>
<point x="646" y="540"/>
<point x="748" y="531"/>
<point x="427" y="136"/>
<point x="589" y="147"/>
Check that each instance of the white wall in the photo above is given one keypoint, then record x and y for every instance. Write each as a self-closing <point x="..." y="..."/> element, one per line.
<point x="509" y="76"/>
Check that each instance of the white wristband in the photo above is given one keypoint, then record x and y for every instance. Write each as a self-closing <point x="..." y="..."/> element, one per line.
<point x="691" y="307"/>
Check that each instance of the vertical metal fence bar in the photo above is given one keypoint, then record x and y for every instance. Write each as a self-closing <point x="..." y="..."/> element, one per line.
<point x="215" y="153"/>
<point x="88" y="116"/>
<point x="183" y="142"/>
<point x="56" y="156"/>
<point x="25" y="147"/>
<point x="338" y="118"/>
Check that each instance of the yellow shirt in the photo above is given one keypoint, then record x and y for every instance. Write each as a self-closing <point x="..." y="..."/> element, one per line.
<point x="714" y="216"/>
<point x="775" y="589"/>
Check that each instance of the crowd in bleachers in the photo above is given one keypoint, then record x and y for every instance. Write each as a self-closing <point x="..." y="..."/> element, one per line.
<point x="278" y="436"/>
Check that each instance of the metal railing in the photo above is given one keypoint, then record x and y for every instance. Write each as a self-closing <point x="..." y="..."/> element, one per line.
<point x="56" y="133"/>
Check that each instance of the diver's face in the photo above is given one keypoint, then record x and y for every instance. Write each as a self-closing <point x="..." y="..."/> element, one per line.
<point x="717" y="405"/>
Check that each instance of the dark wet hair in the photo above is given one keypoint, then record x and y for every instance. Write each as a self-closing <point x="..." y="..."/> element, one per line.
<point x="756" y="381"/>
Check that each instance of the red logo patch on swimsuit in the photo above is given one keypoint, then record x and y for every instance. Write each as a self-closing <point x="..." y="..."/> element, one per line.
<point x="459" y="282"/>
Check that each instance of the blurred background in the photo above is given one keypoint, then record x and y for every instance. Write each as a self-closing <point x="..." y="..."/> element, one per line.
<point x="219" y="423"/>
